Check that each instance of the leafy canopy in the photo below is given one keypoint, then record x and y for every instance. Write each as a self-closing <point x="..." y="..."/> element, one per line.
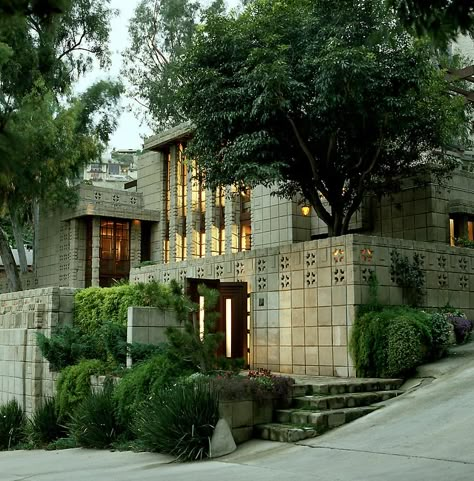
<point x="322" y="102"/>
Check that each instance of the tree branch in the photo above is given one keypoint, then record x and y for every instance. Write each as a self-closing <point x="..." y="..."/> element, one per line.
<point x="73" y="47"/>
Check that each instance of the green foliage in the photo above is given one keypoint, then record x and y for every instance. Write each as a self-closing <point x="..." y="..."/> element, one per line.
<point x="179" y="421"/>
<point x="40" y="58"/>
<point x="441" y="335"/>
<point x="373" y="303"/>
<point x="141" y="380"/>
<point x="464" y="242"/>
<point x="443" y="20"/>
<point x="390" y="342"/>
<point x="409" y="276"/>
<point x="96" y="305"/>
<point x="74" y="385"/>
<point x="12" y="425"/>
<point x="150" y="66"/>
<point x="198" y="349"/>
<point x="67" y="346"/>
<point x="94" y="423"/>
<point x="317" y="100"/>
<point x="45" y="425"/>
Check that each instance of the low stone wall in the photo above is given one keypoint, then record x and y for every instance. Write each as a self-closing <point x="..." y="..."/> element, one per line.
<point x="24" y="374"/>
<point x="304" y="296"/>
<point x="147" y="325"/>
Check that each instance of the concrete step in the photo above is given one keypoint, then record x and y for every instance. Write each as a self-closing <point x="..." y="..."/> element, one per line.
<point x="346" y="386"/>
<point x="284" y="433"/>
<point x="323" y="420"/>
<point x="340" y="401"/>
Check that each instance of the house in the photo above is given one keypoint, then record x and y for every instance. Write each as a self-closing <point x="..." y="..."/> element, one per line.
<point x="288" y="293"/>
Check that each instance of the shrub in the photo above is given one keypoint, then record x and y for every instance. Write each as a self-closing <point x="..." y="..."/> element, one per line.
<point x="95" y="306"/>
<point x="441" y="332"/>
<point x="409" y="276"/>
<point x="462" y="328"/>
<point x="94" y="423"/>
<point x="140" y="381"/>
<point x="74" y="384"/>
<point x="12" y="425"/>
<point x="390" y="342"/>
<point x="45" y="425"/>
<point x="68" y="345"/>
<point x="179" y="421"/>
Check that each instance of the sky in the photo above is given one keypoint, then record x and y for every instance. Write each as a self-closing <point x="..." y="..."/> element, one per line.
<point x="130" y="131"/>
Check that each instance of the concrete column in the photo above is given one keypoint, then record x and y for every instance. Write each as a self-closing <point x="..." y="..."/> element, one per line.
<point x="77" y="249"/>
<point x="190" y="217"/>
<point x="231" y="222"/>
<point x="135" y="243"/>
<point x="95" y="252"/>
<point x="173" y="202"/>
<point x="158" y="230"/>
<point x="209" y="219"/>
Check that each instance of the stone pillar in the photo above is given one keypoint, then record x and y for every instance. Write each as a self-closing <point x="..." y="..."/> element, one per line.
<point x="77" y="249"/>
<point x="173" y="201"/>
<point x="231" y="222"/>
<point x="135" y="243"/>
<point x="190" y="217"/>
<point x="209" y="219"/>
<point x="158" y="230"/>
<point x="95" y="252"/>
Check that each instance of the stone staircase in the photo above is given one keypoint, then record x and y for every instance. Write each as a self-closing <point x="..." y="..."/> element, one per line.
<point x="320" y="406"/>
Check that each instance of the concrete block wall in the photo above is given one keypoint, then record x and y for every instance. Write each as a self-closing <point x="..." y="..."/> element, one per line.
<point x="24" y="374"/>
<point x="301" y="301"/>
<point x="304" y="296"/>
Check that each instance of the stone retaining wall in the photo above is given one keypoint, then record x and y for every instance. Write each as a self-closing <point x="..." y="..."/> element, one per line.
<point x="24" y="374"/>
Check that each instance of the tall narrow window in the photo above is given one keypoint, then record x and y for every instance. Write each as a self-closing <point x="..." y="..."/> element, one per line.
<point x="198" y="209"/>
<point x="114" y="251"/>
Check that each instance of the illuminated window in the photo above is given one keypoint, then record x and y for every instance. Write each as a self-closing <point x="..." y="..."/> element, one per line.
<point x="218" y="229"/>
<point x="114" y="250"/>
<point x="199" y="209"/>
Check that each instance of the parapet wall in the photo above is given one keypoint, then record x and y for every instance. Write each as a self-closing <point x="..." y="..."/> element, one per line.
<point x="24" y="374"/>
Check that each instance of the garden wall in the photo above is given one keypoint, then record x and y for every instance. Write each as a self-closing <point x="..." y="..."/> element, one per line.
<point x="304" y="296"/>
<point x="24" y="374"/>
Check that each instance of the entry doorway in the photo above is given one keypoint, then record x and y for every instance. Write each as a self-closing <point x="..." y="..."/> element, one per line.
<point x="233" y="320"/>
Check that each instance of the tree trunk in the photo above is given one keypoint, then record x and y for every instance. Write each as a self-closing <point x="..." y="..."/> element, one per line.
<point x="19" y="241"/>
<point x="9" y="264"/>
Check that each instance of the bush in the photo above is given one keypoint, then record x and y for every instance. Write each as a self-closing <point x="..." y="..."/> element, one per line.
<point x="46" y="426"/>
<point x="12" y="425"/>
<point x="441" y="332"/>
<point x="74" y="384"/>
<point x="390" y="342"/>
<point x="68" y="345"/>
<point x="95" y="306"/>
<point x="94" y="423"/>
<point x="462" y="328"/>
<point x="140" y="381"/>
<point x="179" y="421"/>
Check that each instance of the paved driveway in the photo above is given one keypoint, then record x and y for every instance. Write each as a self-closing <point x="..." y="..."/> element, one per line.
<point x="425" y="435"/>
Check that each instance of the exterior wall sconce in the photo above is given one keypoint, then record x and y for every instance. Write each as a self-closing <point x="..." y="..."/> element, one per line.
<point x="305" y="210"/>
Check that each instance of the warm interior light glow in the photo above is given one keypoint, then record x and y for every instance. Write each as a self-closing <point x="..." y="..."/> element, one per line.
<point x="201" y="317"/>
<point x="306" y="210"/>
<point x="228" y="327"/>
<point x="451" y="232"/>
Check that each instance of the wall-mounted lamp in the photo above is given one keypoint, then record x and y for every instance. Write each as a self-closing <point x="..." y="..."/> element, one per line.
<point x="305" y="210"/>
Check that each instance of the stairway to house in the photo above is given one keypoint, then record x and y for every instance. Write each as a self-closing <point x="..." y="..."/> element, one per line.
<point x="320" y="406"/>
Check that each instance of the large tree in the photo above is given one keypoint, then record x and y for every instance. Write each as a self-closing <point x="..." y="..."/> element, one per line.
<point x="45" y="133"/>
<point x="443" y="20"/>
<point x="327" y="103"/>
<point x="160" y="31"/>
